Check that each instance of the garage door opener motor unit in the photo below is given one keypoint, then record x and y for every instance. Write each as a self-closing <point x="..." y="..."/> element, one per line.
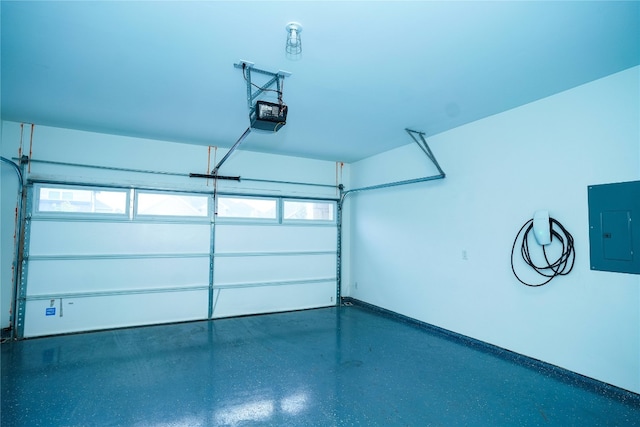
<point x="268" y="116"/>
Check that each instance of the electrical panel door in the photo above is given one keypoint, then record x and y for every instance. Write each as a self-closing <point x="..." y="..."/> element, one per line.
<point x="614" y="227"/>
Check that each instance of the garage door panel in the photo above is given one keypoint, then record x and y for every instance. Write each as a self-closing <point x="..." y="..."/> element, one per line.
<point x="64" y="315"/>
<point x="267" y="299"/>
<point x="100" y="238"/>
<point x="64" y="276"/>
<point x="274" y="238"/>
<point x="251" y="269"/>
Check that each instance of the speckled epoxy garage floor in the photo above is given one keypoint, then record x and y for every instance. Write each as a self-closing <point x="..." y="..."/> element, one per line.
<point x="325" y="367"/>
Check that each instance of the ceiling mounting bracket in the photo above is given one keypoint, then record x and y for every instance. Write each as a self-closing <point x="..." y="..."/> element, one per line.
<point x="422" y="143"/>
<point x="254" y="90"/>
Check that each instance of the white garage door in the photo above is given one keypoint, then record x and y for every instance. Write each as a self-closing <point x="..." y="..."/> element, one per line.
<point x="273" y="255"/>
<point x="99" y="258"/>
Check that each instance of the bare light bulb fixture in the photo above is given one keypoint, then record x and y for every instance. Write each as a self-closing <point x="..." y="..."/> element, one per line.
<point x="294" y="42"/>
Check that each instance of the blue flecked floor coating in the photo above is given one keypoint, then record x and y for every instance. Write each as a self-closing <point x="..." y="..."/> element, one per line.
<point x="346" y="366"/>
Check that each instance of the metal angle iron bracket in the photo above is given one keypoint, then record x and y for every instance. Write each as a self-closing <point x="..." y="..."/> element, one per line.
<point x="20" y="302"/>
<point x="422" y="143"/>
<point x="249" y="68"/>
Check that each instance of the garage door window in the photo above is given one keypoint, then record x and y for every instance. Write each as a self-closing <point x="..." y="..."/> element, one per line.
<point x="247" y="208"/>
<point x="172" y="204"/>
<point x="81" y="200"/>
<point x="295" y="210"/>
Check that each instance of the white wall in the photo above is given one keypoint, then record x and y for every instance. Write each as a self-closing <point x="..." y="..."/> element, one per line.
<point x="408" y="242"/>
<point x="111" y="151"/>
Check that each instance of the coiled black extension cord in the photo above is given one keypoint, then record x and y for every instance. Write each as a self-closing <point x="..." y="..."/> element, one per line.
<point x="560" y="267"/>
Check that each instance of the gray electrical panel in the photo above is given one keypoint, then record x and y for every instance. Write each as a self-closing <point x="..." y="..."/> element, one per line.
<point x="614" y="227"/>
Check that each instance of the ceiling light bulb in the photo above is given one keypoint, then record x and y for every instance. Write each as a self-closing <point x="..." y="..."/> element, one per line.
<point x="293" y="37"/>
<point x="294" y="42"/>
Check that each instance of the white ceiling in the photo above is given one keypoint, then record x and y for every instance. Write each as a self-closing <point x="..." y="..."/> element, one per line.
<point x="164" y="70"/>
